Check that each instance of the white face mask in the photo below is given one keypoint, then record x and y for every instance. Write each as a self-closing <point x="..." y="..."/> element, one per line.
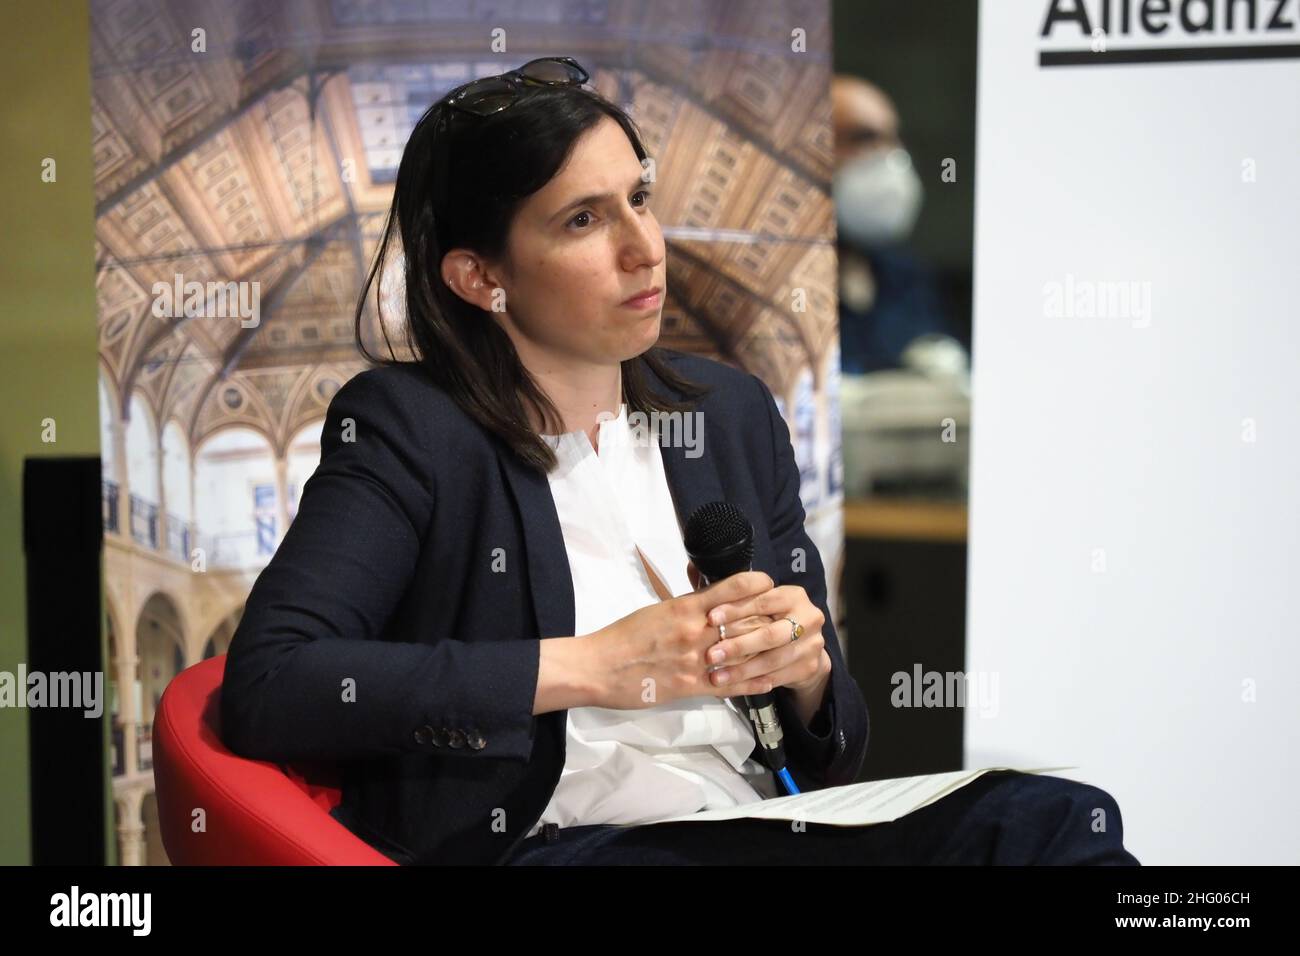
<point x="877" y="197"/>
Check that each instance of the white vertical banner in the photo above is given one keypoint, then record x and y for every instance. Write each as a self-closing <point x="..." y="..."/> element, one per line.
<point x="1134" y="578"/>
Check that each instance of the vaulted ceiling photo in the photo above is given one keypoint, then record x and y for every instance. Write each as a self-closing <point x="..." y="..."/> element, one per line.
<point x="257" y="143"/>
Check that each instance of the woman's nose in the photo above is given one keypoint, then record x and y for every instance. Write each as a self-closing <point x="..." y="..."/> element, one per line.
<point x="644" y="241"/>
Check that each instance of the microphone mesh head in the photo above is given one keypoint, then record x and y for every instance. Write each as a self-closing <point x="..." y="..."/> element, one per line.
<point x="719" y="540"/>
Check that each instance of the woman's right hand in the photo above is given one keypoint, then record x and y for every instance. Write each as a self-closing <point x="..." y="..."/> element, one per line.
<point x="657" y="653"/>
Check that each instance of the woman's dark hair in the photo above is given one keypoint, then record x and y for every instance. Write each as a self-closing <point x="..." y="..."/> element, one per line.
<point x="494" y="163"/>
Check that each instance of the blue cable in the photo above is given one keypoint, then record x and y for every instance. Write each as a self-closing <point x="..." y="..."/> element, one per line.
<point x="788" y="781"/>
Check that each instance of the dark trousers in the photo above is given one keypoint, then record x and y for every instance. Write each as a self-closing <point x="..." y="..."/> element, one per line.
<point x="1003" y="817"/>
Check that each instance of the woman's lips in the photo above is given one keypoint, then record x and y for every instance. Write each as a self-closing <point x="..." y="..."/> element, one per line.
<point x="645" y="301"/>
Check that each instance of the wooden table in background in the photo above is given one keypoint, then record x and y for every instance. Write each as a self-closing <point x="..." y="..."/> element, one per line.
<point x="906" y="518"/>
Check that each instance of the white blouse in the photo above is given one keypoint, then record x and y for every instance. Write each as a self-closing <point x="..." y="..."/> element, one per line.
<point x="636" y="766"/>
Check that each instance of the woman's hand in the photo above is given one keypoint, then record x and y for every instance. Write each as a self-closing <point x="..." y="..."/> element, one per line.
<point x="758" y="646"/>
<point x="657" y="653"/>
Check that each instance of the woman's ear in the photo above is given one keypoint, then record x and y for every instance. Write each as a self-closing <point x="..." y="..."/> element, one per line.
<point x="465" y="273"/>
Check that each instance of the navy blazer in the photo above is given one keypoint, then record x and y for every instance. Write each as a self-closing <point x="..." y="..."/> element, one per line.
<point x="396" y="631"/>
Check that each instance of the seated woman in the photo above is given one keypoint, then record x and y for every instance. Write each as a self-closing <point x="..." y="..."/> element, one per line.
<point x="483" y="611"/>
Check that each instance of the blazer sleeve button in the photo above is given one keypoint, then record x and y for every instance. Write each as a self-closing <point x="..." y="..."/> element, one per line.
<point x="475" y="739"/>
<point x="423" y="734"/>
<point x="457" y="738"/>
<point x="440" y="737"/>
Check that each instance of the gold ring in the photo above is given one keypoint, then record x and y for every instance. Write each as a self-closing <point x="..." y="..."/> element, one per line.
<point x="796" y="629"/>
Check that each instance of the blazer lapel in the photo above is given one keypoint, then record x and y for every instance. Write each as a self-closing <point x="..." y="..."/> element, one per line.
<point x="695" y="482"/>
<point x="549" y="577"/>
<point x="692" y="482"/>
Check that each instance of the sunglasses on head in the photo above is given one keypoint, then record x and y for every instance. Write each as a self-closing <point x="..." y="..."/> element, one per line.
<point x="492" y="94"/>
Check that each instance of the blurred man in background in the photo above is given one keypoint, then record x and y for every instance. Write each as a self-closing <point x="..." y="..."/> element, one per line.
<point x="888" y="302"/>
<point x="904" y="372"/>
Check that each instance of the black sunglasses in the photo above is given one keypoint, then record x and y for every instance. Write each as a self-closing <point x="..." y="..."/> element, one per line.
<point x="492" y="94"/>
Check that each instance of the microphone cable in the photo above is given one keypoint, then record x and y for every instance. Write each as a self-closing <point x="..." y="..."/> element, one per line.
<point x="720" y="542"/>
<point x="788" y="781"/>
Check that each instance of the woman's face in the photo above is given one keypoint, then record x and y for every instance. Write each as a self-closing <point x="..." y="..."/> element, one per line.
<point x="578" y="249"/>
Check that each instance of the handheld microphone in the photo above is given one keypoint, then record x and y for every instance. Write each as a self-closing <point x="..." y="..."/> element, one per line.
<point x="720" y="542"/>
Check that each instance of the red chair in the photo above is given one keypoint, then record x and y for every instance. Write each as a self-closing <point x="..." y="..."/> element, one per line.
<point x="257" y="812"/>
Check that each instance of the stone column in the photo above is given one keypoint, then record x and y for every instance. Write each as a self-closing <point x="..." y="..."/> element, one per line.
<point x="130" y="828"/>
<point x="282" y="494"/>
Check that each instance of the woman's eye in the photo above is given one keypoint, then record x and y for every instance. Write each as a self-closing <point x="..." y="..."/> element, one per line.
<point x="575" y="221"/>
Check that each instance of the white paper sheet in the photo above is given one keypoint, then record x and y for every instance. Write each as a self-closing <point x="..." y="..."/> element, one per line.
<point x="854" y="804"/>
